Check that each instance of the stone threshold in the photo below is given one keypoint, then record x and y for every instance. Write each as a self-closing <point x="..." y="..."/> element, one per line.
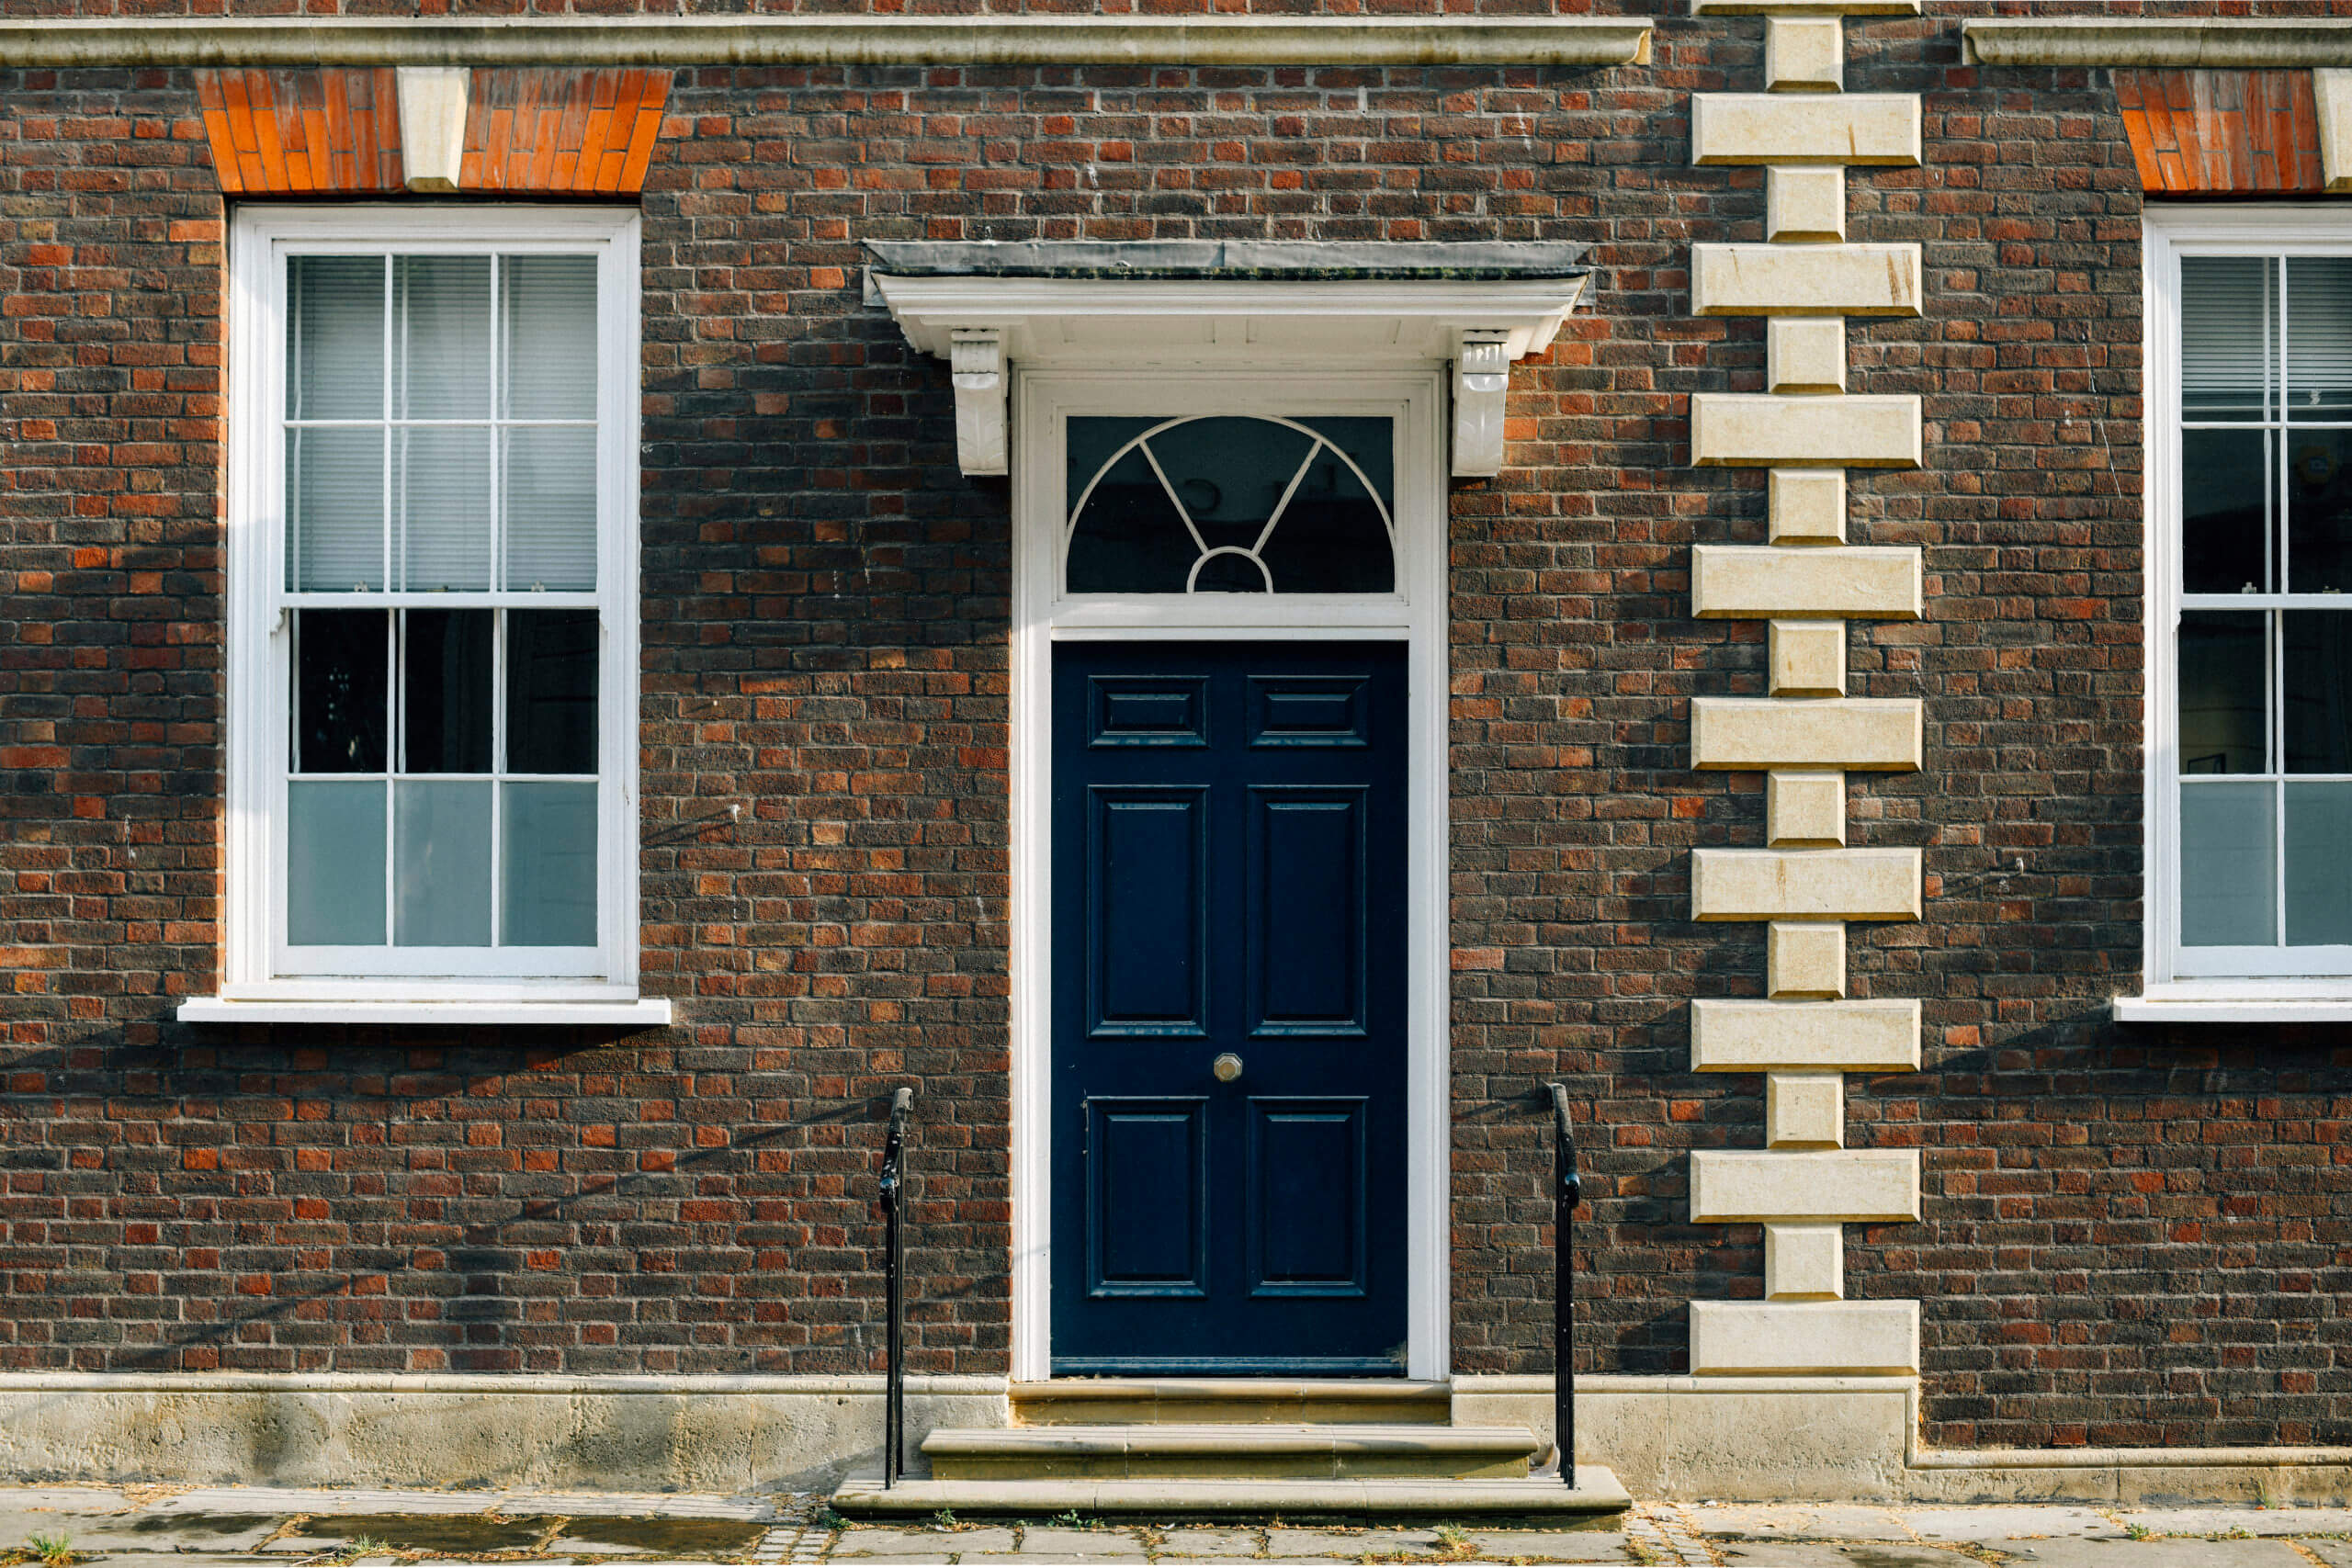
<point x="1596" y="1492"/>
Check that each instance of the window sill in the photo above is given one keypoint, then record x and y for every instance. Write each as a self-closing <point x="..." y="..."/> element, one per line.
<point x="651" y="1012"/>
<point x="2219" y="1008"/>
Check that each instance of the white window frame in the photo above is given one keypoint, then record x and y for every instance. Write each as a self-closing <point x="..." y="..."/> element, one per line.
<point x="1046" y="613"/>
<point x="2180" y="984"/>
<point x="568" y="986"/>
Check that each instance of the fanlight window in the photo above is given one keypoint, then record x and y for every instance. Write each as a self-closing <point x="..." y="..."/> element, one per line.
<point x="1220" y="503"/>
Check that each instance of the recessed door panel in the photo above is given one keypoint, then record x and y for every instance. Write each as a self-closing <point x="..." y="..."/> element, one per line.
<point x="1147" y="1164"/>
<point x="1148" y="887"/>
<point x="1308" y="1220"/>
<point x="1228" y="1001"/>
<point x="1306" y="910"/>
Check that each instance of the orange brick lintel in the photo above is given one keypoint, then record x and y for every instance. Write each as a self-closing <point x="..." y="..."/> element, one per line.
<point x="2222" y="131"/>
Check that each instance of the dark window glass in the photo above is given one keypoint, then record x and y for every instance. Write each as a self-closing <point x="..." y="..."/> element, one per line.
<point x="2319" y="511"/>
<point x="2319" y="692"/>
<point x="446" y="691"/>
<point x="2223" y="697"/>
<point x="2225" y="493"/>
<point x="341" y="712"/>
<point x="551" y="691"/>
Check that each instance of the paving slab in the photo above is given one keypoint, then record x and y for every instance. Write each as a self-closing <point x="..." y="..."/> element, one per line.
<point x="1063" y="1541"/>
<point x="2335" y="1553"/>
<point x="2253" y="1521"/>
<point x="1347" y="1545"/>
<point x="187" y="1560"/>
<point x="1551" y="1546"/>
<point x="303" y="1500"/>
<point x="653" y="1505"/>
<point x="2062" y="1553"/>
<point x="1998" y="1523"/>
<point x="441" y="1533"/>
<point x="1200" y="1541"/>
<point x="1788" y="1521"/>
<point x="922" y="1544"/>
<point x="1857" y="1555"/>
<point x="187" y="1530"/>
<point x="72" y="1499"/>
<point x="660" y="1535"/>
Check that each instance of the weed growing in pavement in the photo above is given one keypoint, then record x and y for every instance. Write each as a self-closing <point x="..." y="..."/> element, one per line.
<point x="2137" y="1531"/>
<point x="827" y="1520"/>
<point x="359" y="1546"/>
<point x="1454" y="1545"/>
<point x="52" y="1551"/>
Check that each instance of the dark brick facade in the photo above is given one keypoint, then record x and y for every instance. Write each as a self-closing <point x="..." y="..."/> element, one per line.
<point x="2133" y="1236"/>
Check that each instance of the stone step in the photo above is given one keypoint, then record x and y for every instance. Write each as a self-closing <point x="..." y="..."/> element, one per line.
<point x="1229" y="1451"/>
<point x="1596" y="1492"/>
<point x="1093" y="1401"/>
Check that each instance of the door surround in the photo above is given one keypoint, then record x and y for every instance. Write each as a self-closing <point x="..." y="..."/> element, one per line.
<point x="1042" y="615"/>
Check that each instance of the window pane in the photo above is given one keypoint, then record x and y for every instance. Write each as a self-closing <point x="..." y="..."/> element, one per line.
<point x="550" y="509"/>
<point x="551" y="345"/>
<point x="341" y="712"/>
<point x="2319" y="864"/>
<point x="334" y="864"/>
<point x="2319" y="337"/>
<point x="446" y="691"/>
<point x="2227" y="335"/>
<point x="334" y="327"/>
<point x="2319" y="511"/>
<point x="2224" y="694"/>
<point x="2225" y="511"/>
<point x="547" y="894"/>
<point x="551" y="691"/>
<point x="441" y="864"/>
<point x="1129" y="537"/>
<point x="2319" y="692"/>
<point x="442" y="339"/>
<point x="1331" y="537"/>
<point x="335" y="510"/>
<point x="445" y="508"/>
<point x="2228" y="891"/>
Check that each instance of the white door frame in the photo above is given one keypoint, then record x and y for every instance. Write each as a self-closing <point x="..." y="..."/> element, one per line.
<point x="1043" y="615"/>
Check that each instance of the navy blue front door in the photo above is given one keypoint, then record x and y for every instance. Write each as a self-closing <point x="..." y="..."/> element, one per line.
<point x="1228" y="883"/>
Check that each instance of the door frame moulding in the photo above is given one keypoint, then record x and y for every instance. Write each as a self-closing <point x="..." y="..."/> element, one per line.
<point x="1043" y="615"/>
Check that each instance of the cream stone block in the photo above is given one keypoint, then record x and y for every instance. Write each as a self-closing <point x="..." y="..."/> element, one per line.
<point x="1879" y="734"/>
<point x="1730" y="1186"/>
<point x="1804" y="127"/>
<point x="1805" y="1263"/>
<point x="433" y="103"/>
<point x="1734" y="428"/>
<point x="1805" y="806"/>
<point x="1805" y="1111"/>
<point x="1804" y="54"/>
<point x="1848" y="1337"/>
<point x="1805" y="958"/>
<point x="1876" y="1036"/>
<point x="1806" y="354"/>
<point x="2333" y="90"/>
<point x="1806" y="659"/>
<point x="1771" y="884"/>
<point x="1869" y="581"/>
<point x="1808" y="506"/>
<point x="1804" y="280"/>
<point x="1804" y="204"/>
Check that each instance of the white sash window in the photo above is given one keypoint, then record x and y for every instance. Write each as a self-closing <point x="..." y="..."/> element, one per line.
<point x="433" y="615"/>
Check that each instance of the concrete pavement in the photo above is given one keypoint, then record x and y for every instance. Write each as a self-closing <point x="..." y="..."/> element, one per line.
<point x="183" y="1527"/>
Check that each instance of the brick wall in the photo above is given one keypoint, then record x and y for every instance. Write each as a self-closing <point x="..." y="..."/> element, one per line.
<point x="2132" y="1234"/>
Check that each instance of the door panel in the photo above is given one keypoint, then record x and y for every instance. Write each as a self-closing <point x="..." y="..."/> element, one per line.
<point x="1228" y="879"/>
<point x="1307" y="1222"/>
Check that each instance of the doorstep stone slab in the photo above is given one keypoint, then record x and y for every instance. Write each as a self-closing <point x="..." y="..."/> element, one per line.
<point x="1108" y="1543"/>
<point x="2006" y="1524"/>
<point x="2253" y="1521"/>
<point x="2078" y="1552"/>
<point x="926" y="1544"/>
<point x="1198" y="1541"/>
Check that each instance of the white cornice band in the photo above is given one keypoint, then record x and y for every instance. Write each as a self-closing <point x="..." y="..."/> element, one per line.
<point x="2232" y="44"/>
<point x="827" y="40"/>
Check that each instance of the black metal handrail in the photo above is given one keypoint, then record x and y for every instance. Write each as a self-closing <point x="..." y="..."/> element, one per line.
<point x="1568" y="1190"/>
<point x="894" y="1393"/>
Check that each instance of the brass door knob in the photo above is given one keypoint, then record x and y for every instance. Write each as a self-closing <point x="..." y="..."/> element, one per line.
<point x="1227" y="1068"/>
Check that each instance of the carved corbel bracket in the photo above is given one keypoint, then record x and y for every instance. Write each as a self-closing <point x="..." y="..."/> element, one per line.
<point x="1481" y="380"/>
<point x="976" y="359"/>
